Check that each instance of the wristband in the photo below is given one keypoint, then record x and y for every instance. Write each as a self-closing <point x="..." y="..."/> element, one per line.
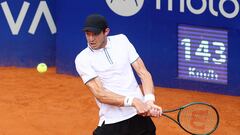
<point x="148" y="97"/>
<point x="128" y="101"/>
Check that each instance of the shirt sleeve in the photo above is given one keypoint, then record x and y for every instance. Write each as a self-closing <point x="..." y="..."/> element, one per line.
<point x="84" y="68"/>
<point x="132" y="53"/>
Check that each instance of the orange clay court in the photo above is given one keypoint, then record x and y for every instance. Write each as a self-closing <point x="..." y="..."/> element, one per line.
<point x="54" y="104"/>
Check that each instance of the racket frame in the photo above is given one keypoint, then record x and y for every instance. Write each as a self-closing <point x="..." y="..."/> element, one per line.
<point x="179" y="113"/>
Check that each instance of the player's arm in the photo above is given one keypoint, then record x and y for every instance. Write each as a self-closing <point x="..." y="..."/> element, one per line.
<point x="145" y="76"/>
<point x="148" y="87"/>
<point x="103" y="95"/>
<point x="108" y="97"/>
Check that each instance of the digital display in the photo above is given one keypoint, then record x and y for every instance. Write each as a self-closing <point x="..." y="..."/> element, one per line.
<point x="202" y="54"/>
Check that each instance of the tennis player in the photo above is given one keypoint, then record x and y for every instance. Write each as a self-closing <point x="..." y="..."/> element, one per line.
<point x="106" y="67"/>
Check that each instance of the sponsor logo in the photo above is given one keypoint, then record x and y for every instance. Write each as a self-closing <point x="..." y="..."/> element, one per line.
<point x="205" y="5"/>
<point x="125" y="7"/>
<point x="216" y="8"/>
<point x="16" y="24"/>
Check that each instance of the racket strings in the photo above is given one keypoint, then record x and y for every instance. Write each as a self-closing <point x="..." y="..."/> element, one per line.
<point x="198" y="119"/>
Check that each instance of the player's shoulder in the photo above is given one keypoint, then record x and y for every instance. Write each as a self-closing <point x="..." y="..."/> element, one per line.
<point x="121" y="40"/>
<point x="83" y="55"/>
<point x="119" y="37"/>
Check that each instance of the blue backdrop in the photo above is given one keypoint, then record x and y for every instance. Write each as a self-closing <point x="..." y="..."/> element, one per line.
<point x="21" y="44"/>
<point x="151" y="25"/>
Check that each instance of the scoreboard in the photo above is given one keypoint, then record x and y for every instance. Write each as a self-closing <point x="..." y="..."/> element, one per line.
<point x="202" y="54"/>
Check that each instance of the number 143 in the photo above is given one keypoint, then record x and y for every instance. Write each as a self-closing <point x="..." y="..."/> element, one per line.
<point x="203" y="50"/>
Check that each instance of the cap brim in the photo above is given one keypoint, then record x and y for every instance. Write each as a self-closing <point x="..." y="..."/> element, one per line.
<point x="92" y="29"/>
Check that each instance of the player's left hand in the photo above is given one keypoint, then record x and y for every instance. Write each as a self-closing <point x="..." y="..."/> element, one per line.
<point x="154" y="110"/>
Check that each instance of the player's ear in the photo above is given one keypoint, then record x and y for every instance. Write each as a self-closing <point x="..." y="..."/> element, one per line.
<point x="107" y="30"/>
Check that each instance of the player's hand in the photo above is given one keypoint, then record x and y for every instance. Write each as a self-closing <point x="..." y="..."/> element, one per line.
<point x="154" y="110"/>
<point x="142" y="108"/>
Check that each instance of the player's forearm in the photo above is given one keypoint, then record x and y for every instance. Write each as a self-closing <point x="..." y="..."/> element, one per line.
<point x="103" y="95"/>
<point x="147" y="83"/>
<point x="108" y="97"/>
<point x="144" y="75"/>
<point x="148" y="87"/>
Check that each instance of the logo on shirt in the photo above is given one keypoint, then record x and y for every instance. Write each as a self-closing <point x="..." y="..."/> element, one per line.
<point x="125" y="7"/>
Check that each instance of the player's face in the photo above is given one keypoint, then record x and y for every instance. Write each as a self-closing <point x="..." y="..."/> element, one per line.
<point x="97" y="41"/>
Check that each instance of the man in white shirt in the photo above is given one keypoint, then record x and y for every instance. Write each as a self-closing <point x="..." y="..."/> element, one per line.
<point x="105" y="66"/>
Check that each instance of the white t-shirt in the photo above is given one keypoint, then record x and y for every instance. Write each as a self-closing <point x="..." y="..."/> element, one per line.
<point x="112" y="65"/>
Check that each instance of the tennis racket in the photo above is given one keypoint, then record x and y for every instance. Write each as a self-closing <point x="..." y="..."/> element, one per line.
<point x="196" y="118"/>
